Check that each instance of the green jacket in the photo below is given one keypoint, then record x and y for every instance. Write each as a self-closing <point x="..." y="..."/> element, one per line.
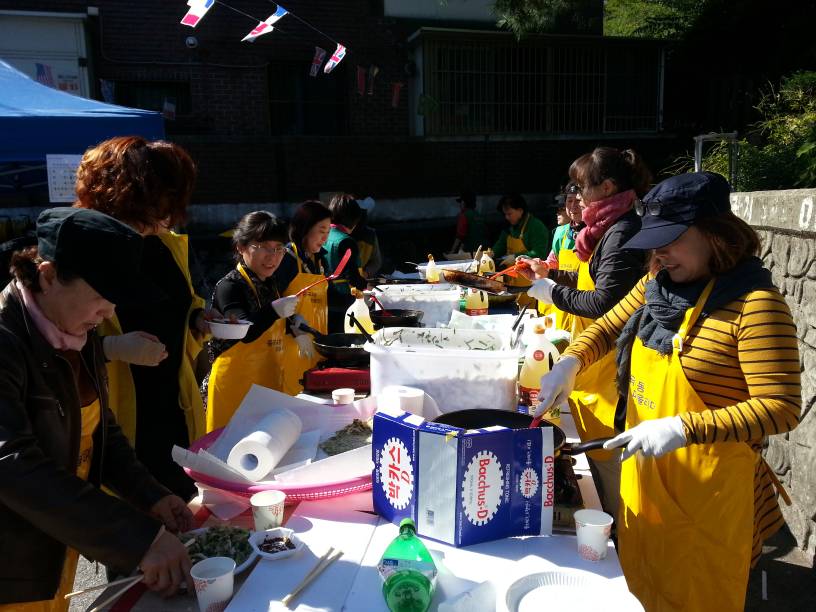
<point x="336" y="246"/>
<point x="558" y="235"/>
<point x="536" y="238"/>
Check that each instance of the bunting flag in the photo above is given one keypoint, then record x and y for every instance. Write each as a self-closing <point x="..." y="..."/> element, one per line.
<point x="317" y="61"/>
<point x="196" y="12"/>
<point x="336" y="58"/>
<point x="361" y="80"/>
<point x="265" y="27"/>
<point x="44" y="75"/>
<point x="373" y="71"/>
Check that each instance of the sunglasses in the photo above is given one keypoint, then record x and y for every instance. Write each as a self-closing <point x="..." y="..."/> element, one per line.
<point x="652" y="208"/>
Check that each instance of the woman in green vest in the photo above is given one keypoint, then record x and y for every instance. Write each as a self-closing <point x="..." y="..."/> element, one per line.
<point x="346" y="214"/>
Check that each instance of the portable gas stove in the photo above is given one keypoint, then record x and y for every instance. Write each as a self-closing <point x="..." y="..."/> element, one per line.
<point x="568" y="498"/>
<point x="327" y="376"/>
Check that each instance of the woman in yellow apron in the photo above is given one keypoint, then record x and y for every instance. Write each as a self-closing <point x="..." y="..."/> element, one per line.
<point x="696" y="497"/>
<point x="148" y="185"/>
<point x="309" y="229"/>
<point x="250" y="292"/>
<point x="61" y="443"/>
<point x="609" y="181"/>
<point x="527" y="236"/>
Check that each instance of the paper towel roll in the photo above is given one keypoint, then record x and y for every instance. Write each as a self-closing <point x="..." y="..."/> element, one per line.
<point x="409" y="399"/>
<point x="258" y="453"/>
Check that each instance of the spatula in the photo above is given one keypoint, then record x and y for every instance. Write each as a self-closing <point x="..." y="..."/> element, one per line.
<point x="337" y="272"/>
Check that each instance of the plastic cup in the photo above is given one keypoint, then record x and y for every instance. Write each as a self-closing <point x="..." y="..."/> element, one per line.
<point x="213" y="579"/>
<point x="343" y="396"/>
<point x="592" y="528"/>
<point x="267" y="509"/>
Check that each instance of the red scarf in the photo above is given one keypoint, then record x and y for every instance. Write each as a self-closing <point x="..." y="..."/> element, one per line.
<point x="599" y="217"/>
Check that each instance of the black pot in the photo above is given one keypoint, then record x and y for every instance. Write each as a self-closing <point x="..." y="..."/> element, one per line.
<point x="396" y="317"/>
<point x="479" y="418"/>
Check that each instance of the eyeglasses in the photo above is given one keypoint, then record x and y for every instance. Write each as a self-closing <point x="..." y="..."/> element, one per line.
<point x="269" y="250"/>
<point x="653" y="208"/>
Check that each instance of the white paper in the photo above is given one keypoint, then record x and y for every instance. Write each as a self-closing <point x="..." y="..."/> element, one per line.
<point x="260" y="450"/>
<point x="62" y="177"/>
<point x="351" y="464"/>
<point x="205" y="463"/>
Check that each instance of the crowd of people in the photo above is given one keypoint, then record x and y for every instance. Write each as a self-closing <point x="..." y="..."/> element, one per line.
<point x="684" y="357"/>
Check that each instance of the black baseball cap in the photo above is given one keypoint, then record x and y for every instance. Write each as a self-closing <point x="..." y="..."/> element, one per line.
<point x="104" y="252"/>
<point x="674" y="205"/>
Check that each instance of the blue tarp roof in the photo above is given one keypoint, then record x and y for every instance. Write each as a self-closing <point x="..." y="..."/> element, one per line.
<point x="36" y="120"/>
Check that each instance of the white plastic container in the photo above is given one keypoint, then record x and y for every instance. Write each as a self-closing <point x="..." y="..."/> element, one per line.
<point x="462" y="266"/>
<point x="455" y="378"/>
<point x="440" y="338"/>
<point x="437" y="305"/>
<point x="415" y="288"/>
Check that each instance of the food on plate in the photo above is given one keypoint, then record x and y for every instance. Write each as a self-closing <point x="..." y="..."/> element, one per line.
<point x="352" y="436"/>
<point x="232" y="542"/>
<point x="276" y="544"/>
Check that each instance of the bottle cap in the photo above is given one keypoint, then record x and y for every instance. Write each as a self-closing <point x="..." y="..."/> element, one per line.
<point x="539" y="329"/>
<point x="407" y="521"/>
<point x="430" y="257"/>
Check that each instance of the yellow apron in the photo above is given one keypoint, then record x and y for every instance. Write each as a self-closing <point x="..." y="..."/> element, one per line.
<point x="243" y="364"/>
<point x="516" y="246"/>
<point x="595" y="397"/>
<point x="90" y="421"/>
<point x="366" y="250"/>
<point x="567" y="262"/>
<point x="313" y="306"/>
<point x="686" y="519"/>
<point x="121" y="391"/>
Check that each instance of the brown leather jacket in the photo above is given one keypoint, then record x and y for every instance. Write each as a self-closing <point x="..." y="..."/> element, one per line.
<point x="43" y="505"/>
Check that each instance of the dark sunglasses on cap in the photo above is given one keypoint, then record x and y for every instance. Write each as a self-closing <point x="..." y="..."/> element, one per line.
<point x="653" y="208"/>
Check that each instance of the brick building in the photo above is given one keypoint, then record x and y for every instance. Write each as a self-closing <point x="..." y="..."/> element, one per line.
<point x="476" y="106"/>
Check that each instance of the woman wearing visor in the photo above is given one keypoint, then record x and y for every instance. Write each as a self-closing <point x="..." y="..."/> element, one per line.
<point x="709" y="363"/>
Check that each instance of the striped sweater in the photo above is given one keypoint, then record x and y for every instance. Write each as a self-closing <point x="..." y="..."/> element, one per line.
<point x="743" y="362"/>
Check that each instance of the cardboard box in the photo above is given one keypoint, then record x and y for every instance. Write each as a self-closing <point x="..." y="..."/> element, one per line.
<point x="461" y="486"/>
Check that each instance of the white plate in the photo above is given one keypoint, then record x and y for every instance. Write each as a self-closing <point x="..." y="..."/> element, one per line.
<point x="574" y="591"/>
<point x="257" y="538"/>
<point x="238" y="569"/>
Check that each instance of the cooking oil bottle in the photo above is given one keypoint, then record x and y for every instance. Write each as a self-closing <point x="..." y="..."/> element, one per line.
<point x="486" y="263"/>
<point x="431" y="272"/>
<point x="360" y="312"/>
<point x="538" y="360"/>
<point x="476" y="303"/>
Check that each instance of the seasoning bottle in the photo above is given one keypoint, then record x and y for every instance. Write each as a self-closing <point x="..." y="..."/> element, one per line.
<point x="538" y="360"/>
<point x="476" y="303"/>
<point x="360" y="312"/>
<point x="431" y="272"/>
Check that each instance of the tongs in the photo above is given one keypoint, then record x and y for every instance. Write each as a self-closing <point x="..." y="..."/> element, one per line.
<point x="512" y="271"/>
<point x="337" y="272"/>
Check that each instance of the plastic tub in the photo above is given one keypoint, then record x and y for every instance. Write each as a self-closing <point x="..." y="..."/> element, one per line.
<point x="462" y="266"/>
<point x="437" y="305"/>
<point x="455" y="378"/>
<point x="440" y="338"/>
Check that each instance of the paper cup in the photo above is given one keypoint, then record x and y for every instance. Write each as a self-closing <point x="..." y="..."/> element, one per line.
<point x="592" y="528"/>
<point x="343" y="396"/>
<point x="213" y="579"/>
<point x="267" y="509"/>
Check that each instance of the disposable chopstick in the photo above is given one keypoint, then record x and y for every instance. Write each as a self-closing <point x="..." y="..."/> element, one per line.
<point x="117" y="594"/>
<point x="318" y="569"/>
<point x="105" y="585"/>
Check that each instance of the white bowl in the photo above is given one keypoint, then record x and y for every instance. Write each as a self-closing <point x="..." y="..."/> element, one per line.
<point x="229" y="331"/>
<point x="257" y="538"/>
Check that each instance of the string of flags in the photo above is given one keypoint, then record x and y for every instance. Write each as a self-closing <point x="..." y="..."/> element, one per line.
<point x="198" y="9"/>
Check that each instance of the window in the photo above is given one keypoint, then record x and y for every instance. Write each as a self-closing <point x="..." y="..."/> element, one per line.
<point x="494" y="85"/>
<point x="301" y="105"/>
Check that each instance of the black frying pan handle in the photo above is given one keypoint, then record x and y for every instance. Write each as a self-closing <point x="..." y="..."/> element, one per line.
<point x="362" y="329"/>
<point x="310" y="330"/>
<point x="591" y="445"/>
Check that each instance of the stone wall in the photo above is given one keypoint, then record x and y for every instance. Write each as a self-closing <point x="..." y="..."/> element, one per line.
<point x="786" y="222"/>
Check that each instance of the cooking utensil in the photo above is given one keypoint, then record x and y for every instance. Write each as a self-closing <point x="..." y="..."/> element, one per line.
<point x="384" y="310"/>
<point x="396" y="317"/>
<point x="339" y="347"/>
<point x="511" y="271"/>
<point x="337" y="272"/>
<point x="479" y="418"/>
<point x="480" y="283"/>
<point x="359" y="326"/>
<point x="133" y="581"/>
<point x="105" y="585"/>
<point x="520" y="314"/>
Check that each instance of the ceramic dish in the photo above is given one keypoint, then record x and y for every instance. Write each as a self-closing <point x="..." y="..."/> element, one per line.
<point x="226" y="330"/>
<point x="239" y="568"/>
<point x="257" y="538"/>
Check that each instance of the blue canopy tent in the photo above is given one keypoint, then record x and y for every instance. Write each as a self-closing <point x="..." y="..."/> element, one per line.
<point x="36" y="120"/>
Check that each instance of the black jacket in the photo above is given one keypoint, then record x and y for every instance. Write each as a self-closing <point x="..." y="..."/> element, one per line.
<point x="615" y="271"/>
<point x="43" y="505"/>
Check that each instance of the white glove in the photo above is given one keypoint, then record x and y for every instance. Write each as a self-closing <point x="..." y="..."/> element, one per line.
<point x="557" y="384"/>
<point x="542" y="290"/>
<point x="652" y="438"/>
<point x="305" y="347"/>
<point x="285" y="306"/>
<point x="295" y="321"/>
<point x="139" y="348"/>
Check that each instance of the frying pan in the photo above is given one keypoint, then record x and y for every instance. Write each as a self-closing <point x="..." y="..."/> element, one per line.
<point x="338" y="347"/>
<point x="479" y="418"/>
<point x="396" y="317"/>
<point x="480" y="283"/>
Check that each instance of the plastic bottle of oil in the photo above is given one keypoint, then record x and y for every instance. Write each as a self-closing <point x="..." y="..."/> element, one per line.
<point x="476" y="303"/>
<point x="538" y="360"/>
<point x="360" y="312"/>
<point x="486" y="263"/>
<point x="431" y="272"/>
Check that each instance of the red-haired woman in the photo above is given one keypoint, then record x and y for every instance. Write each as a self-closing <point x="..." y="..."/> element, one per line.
<point x="148" y="186"/>
<point x="709" y="363"/>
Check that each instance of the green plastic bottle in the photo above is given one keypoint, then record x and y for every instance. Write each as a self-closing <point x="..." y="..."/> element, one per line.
<point x="408" y="572"/>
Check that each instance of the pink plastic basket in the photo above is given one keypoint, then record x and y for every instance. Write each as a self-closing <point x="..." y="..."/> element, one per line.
<point x="294" y="493"/>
